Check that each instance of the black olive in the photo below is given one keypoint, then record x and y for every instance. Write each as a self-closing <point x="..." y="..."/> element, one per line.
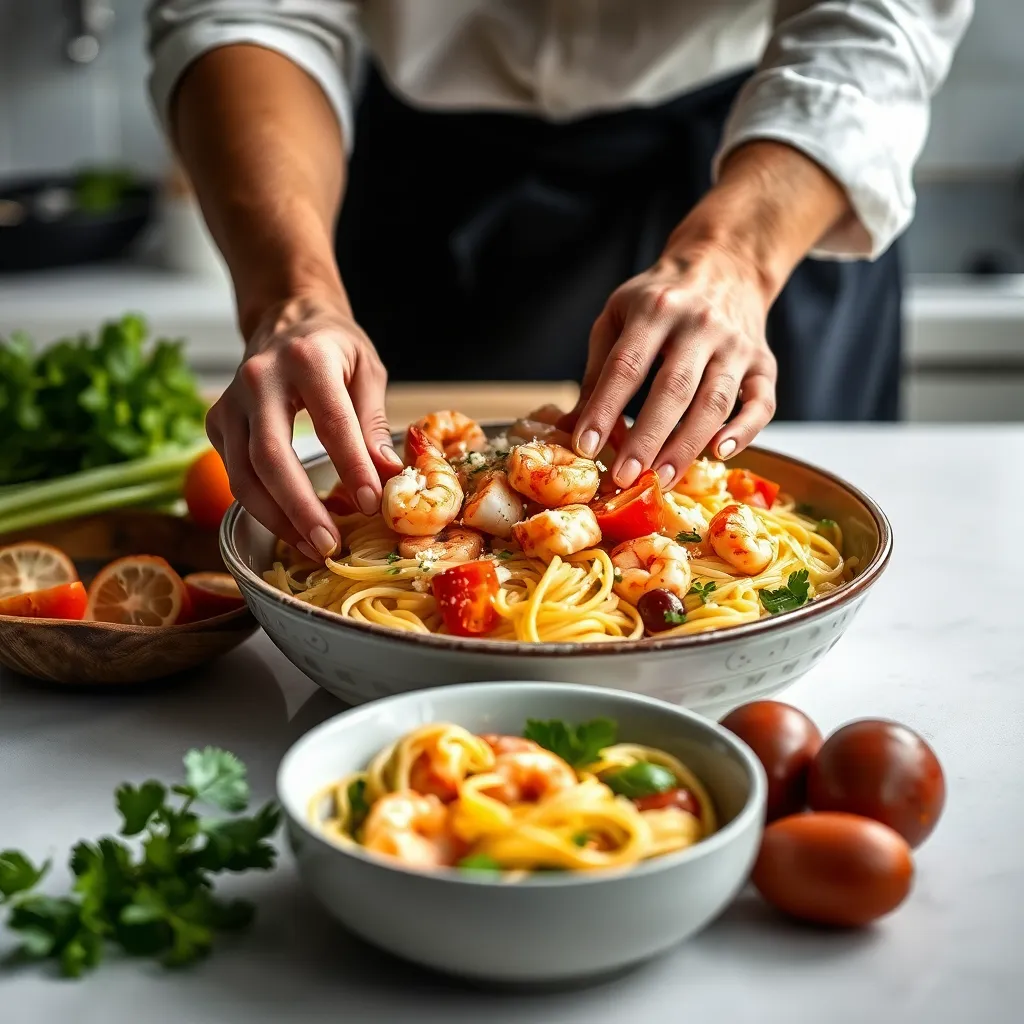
<point x="660" y="610"/>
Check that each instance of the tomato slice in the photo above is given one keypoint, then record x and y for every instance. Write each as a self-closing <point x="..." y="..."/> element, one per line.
<point x="635" y="512"/>
<point x="465" y="596"/>
<point x="65" y="601"/>
<point x="211" y="594"/>
<point x="751" y="489"/>
<point x="681" y="798"/>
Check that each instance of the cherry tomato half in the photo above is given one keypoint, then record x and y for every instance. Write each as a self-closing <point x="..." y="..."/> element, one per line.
<point x="465" y="596"/>
<point x="635" y="512"/>
<point x="751" y="489"/>
<point x="65" y="601"/>
<point x="681" y="798"/>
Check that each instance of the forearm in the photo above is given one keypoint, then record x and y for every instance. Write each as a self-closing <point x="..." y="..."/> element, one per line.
<point x="770" y="206"/>
<point x="263" y="149"/>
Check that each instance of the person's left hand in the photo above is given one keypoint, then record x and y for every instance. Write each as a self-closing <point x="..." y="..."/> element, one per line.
<point x="702" y="310"/>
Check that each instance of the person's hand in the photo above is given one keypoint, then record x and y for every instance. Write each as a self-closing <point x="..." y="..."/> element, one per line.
<point x="702" y="310"/>
<point x="305" y="353"/>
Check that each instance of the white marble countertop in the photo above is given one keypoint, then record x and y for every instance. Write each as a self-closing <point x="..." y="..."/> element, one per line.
<point x="939" y="645"/>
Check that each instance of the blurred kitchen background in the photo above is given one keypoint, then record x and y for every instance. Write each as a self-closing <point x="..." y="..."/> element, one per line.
<point x="72" y="95"/>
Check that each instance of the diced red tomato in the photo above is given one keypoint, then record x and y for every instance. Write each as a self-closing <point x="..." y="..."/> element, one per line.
<point x="681" y="798"/>
<point x="751" y="489"/>
<point x="465" y="596"/>
<point x="635" y="512"/>
<point x="65" y="601"/>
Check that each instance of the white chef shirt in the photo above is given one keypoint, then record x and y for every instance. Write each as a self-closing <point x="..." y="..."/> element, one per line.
<point x="848" y="82"/>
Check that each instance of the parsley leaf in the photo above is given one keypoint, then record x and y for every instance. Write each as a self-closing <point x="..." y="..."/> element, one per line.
<point x="393" y="556"/>
<point x="578" y="745"/>
<point x="358" y="807"/>
<point x="157" y="901"/>
<point x="688" y="537"/>
<point x="217" y="777"/>
<point x="18" y="873"/>
<point x="505" y="554"/>
<point x="675" y="618"/>
<point x="482" y="862"/>
<point x="828" y="524"/>
<point x="394" y="571"/>
<point x="617" y="576"/>
<point x="786" y="598"/>
<point x="702" y="590"/>
<point x="581" y="839"/>
<point x="804" y="509"/>
<point x="138" y="805"/>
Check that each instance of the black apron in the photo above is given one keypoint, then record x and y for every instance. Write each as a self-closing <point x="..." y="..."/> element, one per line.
<point x="482" y="246"/>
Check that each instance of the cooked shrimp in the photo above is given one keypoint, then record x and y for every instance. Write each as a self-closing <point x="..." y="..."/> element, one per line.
<point x="529" y="775"/>
<point x="502" y="744"/>
<point x="552" y="475"/>
<point x="411" y="827"/>
<point x="702" y="478"/>
<point x="549" y="413"/>
<point x="738" y="537"/>
<point x="651" y="563"/>
<point x="452" y="432"/>
<point x="494" y="506"/>
<point x="452" y="544"/>
<point x="526" y="430"/>
<point x="681" y="519"/>
<point x="426" y="496"/>
<point x="558" y="531"/>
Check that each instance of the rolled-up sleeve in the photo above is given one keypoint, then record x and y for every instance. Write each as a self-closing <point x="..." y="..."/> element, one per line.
<point x="321" y="36"/>
<point x="849" y="83"/>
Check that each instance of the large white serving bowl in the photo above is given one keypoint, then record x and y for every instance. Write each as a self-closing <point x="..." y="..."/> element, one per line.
<point x="549" y="927"/>
<point x="709" y="672"/>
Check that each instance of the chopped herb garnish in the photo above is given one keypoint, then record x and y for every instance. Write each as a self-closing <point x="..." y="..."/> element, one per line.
<point x="394" y="556"/>
<point x="786" y="598"/>
<point x="357" y="806"/>
<point x="394" y="572"/>
<point x="640" y="779"/>
<point x="578" y="745"/>
<point x="581" y="839"/>
<point x="505" y="555"/>
<point x="828" y="524"/>
<point x="617" y="576"/>
<point x="702" y="590"/>
<point x="688" y="537"/>
<point x="675" y="618"/>
<point x="482" y="862"/>
<point x="804" y="509"/>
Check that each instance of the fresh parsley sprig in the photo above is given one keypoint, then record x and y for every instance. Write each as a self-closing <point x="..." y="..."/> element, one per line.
<point x="579" y="745"/>
<point x="792" y="595"/>
<point x="156" y="900"/>
<point x="702" y="590"/>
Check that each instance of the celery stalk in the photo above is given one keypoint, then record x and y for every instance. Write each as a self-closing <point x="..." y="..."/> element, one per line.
<point x="160" y="490"/>
<point x="46" y="498"/>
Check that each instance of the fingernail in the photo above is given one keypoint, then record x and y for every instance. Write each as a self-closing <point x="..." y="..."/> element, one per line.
<point x="320" y="537"/>
<point x="629" y="472"/>
<point x="666" y="474"/>
<point x="366" y="500"/>
<point x="390" y="454"/>
<point x="589" y="442"/>
<point x="307" y="551"/>
<point x="726" y="448"/>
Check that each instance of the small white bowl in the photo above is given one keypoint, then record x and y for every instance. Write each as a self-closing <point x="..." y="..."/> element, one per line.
<point x="549" y="927"/>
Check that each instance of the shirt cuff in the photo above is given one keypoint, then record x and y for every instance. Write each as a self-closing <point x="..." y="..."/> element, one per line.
<point x="845" y="132"/>
<point x="175" y="53"/>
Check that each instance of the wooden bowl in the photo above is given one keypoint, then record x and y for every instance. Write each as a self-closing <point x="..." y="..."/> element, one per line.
<point x="91" y="653"/>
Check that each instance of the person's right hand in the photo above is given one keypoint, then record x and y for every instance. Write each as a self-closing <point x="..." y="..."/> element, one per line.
<point x="305" y="353"/>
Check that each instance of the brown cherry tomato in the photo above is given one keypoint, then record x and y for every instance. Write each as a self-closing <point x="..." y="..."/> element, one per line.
<point x="833" y="869"/>
<point x="881" y="770"/>
<point x="785" y="741"/>
<point x="681" y="798"/>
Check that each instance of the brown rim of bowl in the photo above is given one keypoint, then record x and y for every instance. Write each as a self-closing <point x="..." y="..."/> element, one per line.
<point x="199" y="626"/>
<point x="813" y="609"/>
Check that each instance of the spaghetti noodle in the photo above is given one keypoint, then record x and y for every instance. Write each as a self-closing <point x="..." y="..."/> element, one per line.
<point x="574" y="598"/>
<point x="441" y="796"/>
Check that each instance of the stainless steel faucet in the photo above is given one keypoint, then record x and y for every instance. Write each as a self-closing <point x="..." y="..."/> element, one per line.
<point x="85" y="22"/>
